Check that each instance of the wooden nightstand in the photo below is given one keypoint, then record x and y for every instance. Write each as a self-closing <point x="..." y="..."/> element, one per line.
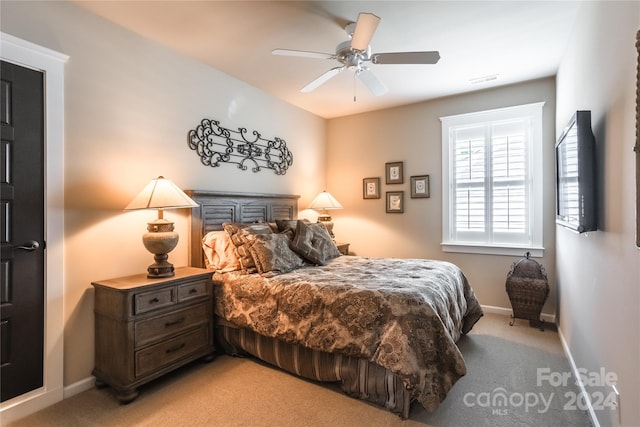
<point x="145" y="328"/>
<point x="343" y="248"/>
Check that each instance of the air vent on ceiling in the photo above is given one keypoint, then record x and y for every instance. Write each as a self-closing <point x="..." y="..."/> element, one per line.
<point x="483" y="79"/>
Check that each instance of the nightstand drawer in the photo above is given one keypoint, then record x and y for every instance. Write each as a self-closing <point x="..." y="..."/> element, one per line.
<point x="158" y="328"/>
<point x="164" y="353"/>
<point x="154" y="300"/>
<point x="192" y="290"/>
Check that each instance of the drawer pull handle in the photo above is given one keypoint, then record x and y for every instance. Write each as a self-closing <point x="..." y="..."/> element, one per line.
<point x="175" y="322"/>
<point x="154" y="300"/>
<point x="193" y="291"/>
<point x="175" y="348"/>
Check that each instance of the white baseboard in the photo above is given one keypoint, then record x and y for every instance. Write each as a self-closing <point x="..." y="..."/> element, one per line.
<point x="21" y="406"/>
<point x="79" y="387"/>
<point x="578" y="377"/>
<point x="551" y="318"/>
<point x="39" y="399"/>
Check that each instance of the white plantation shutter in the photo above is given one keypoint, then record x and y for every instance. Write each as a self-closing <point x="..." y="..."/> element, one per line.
<point x="488" y="185"/>
<point x="510" y="153"/>
<point x="469" y="177"/>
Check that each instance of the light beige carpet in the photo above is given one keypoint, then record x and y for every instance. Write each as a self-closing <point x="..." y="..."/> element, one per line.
<point x="242" y="392"/>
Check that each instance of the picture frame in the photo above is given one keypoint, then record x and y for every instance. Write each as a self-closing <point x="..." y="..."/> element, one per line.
<point x="395" y="201"/>
<point x="394" y="173"/>
<point x="420" y="187"/>
<point x="371" y="188"/>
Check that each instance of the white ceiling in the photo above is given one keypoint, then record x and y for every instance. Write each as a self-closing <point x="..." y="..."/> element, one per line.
<point x="517" y="40"/>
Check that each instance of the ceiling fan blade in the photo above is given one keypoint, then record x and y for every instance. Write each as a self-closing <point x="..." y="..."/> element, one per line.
<point x="365" y="27"/>
<point x="406" y="58"/>
<point x="303" y="53"/>
<point x="371" y="82"/>
<point x="323" y="78"/>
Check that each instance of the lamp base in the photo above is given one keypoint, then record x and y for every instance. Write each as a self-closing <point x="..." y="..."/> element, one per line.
<point x="160" y="268"/>
<point x="328" y="223"/>
<point x="160" y="239"/>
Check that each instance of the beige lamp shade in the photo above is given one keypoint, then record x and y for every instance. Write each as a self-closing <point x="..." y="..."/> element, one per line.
<point x="325" y="201"/>
<point x="161" y="193"/>
<point x="160" y="239"/>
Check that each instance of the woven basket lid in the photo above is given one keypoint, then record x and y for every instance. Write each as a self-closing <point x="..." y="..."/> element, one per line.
<point x="528" y="267"/>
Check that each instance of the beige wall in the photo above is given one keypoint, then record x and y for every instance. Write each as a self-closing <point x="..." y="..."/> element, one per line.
<point x="599" y="272"/>
<point x="129" y="104"/>
<point x="360" y="145"/>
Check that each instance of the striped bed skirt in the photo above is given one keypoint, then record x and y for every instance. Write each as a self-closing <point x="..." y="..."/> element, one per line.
<point x="358" y="378"/>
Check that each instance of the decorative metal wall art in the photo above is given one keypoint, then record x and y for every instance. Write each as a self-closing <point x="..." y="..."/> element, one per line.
<point x="215" y="144"/>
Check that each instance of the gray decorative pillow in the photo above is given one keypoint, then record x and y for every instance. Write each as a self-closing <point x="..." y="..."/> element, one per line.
<point x="313" y="242"/>
<point x="289" y="225"/>
<point x="239" y="232"/>
<point x="271" y="253"/>
<point x="286" y="224"/>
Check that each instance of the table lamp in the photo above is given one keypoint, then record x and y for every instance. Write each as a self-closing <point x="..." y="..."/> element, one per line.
<point x="325" y="201"/>
<point x="160" y="239"/>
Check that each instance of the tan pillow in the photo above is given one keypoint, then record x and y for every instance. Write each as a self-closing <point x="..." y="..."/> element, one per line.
<point x="219" y="252"/>
<point x="313" y="242"/>
<point x="238" y="233"/>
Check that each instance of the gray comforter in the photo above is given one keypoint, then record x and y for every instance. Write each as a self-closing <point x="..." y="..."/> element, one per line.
<point x="403" y="314"/>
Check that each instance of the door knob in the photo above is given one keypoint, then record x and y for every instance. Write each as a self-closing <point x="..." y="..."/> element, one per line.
<point x="30" y="246"/>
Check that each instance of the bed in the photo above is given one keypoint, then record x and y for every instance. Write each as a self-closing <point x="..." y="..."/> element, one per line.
<point x="383" y="329"/>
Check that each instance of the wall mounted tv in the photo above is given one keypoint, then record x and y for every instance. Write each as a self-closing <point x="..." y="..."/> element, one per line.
<point x="576" y="206"/>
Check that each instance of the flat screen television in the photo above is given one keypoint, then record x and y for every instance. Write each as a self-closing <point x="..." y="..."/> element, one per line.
<point x="576" y="206"/>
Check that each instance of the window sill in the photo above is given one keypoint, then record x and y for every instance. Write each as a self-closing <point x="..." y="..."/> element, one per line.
<point x="470" y="248"/>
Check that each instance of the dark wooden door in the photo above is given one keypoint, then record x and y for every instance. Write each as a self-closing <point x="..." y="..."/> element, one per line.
<point x="22" y="229"/>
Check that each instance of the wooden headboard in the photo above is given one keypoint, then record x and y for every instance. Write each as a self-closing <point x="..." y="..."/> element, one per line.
<point x="219" y="207"/>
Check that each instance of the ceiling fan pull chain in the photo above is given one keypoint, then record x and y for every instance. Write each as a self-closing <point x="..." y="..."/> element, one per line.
<point x="355" y="87"/>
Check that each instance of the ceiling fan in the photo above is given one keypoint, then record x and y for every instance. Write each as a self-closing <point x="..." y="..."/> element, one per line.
<point x="353" y="54"/>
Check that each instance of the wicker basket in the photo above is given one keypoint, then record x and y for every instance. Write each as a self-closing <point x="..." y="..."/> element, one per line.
<point x="528" y="289"/>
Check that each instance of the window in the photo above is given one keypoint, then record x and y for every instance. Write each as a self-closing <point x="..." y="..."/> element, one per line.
<point x="492" y="181"/>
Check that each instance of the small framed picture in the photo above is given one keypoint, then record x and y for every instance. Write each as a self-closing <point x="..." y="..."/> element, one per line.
<point x="420" y="186"/>
<point x="395" y="201"/>
<point x="394" y="173"/>
<point x="371" y="188"/>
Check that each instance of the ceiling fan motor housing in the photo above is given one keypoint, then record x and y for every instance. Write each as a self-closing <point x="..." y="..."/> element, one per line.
<point x="349" y="57"/>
